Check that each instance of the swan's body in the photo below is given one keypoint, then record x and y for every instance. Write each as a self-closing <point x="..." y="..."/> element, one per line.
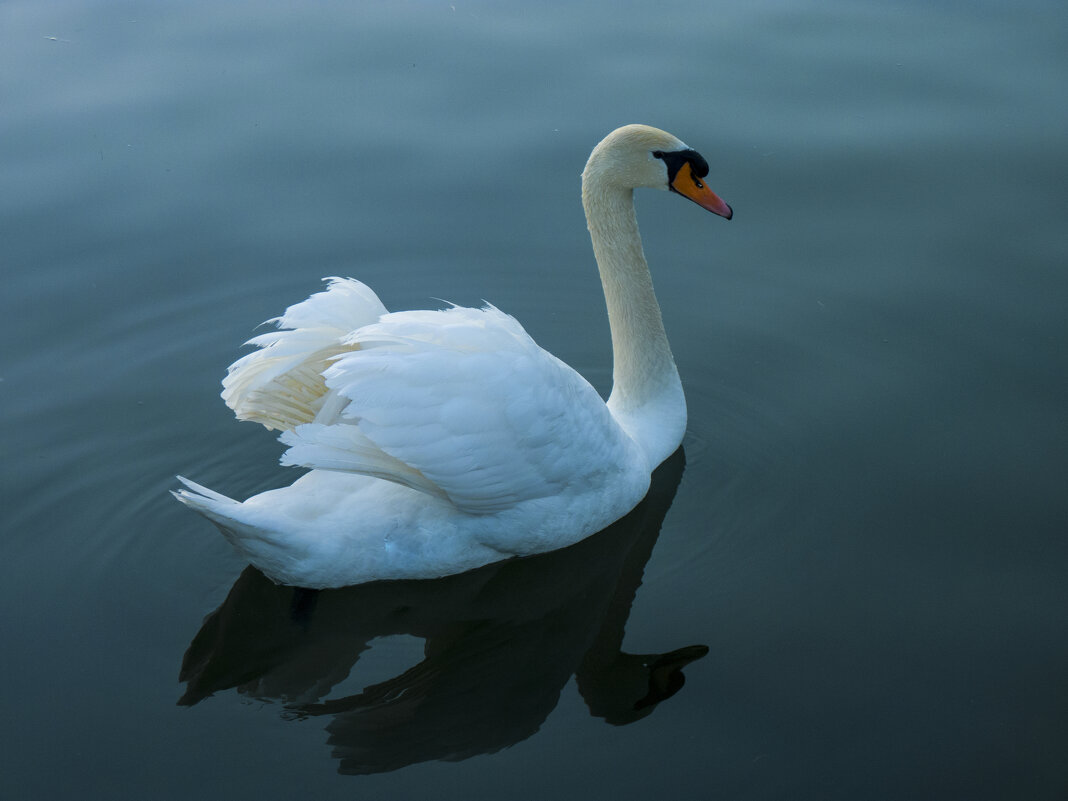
<point x="440" y="441"/>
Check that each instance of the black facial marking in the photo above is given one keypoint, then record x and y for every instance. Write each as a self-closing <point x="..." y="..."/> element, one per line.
<point x="676" y="158"/>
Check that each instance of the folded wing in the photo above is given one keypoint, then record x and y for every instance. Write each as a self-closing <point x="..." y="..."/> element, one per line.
<point x="460" y="404"/>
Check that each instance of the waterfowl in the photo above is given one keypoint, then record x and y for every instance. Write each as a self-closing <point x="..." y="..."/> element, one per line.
<point x="444" y="440"/>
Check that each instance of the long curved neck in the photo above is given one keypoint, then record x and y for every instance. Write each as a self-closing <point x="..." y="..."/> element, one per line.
<point x="646" y="394"/>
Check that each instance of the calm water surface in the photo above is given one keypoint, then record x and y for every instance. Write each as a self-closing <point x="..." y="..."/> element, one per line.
<point x="858" y="565"/>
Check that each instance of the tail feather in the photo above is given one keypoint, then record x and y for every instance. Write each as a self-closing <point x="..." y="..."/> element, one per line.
<point x="186" y="495"/>
<point x="220" y="510"/>
<point x="271" y="552"/>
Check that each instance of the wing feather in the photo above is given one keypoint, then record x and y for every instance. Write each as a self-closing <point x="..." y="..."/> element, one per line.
<point x="281" y="384"/>
<point x="461" y="403"/>
<point x="342" y="447"/>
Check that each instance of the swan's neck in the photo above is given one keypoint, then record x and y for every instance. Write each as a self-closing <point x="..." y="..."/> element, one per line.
<point x="646" y="394"/>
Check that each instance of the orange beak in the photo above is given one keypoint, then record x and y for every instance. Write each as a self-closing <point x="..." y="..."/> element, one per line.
<point x="690" y="186"/>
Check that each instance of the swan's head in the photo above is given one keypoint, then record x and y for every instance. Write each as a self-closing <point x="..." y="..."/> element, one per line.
<point x="640" y="155"/>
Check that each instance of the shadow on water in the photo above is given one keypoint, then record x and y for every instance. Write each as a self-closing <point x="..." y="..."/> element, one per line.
<point x="501" y="642"/>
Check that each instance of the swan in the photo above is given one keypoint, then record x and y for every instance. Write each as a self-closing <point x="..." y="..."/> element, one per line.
<point x="440" y="441"/>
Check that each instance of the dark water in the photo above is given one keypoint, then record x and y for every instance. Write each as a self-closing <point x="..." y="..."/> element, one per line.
<point x="862" y="574"/>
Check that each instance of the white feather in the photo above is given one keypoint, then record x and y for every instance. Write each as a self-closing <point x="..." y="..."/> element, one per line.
<point x="281" y="385"/>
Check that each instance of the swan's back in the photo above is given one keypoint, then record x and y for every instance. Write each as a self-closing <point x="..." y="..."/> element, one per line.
<point x="463" y="404"/>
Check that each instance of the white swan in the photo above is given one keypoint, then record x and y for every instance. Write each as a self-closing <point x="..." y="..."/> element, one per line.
<point x="440" y="441"/>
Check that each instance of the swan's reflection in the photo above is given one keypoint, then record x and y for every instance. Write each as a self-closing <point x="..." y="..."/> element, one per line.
<point x="501" y="643"/>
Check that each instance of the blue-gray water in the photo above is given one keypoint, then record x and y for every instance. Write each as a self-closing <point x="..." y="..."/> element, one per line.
<point x="869" y="532"/>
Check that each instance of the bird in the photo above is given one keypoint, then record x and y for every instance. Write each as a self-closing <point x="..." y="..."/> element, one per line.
<point x="439" y="441"/>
